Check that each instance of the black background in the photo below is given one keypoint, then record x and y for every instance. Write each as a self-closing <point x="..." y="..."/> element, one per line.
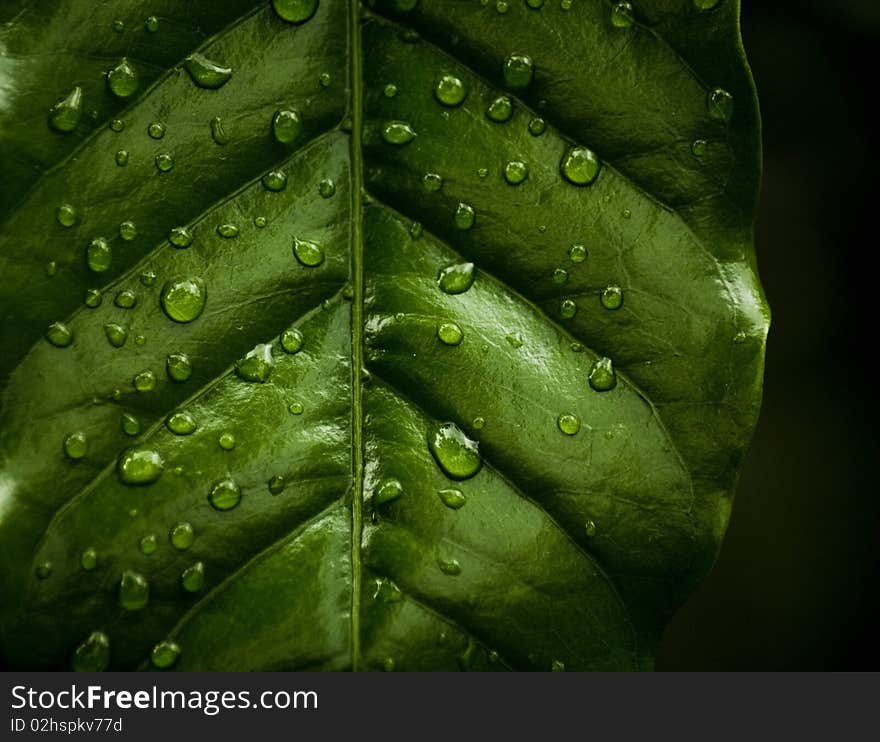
<point x="796" y="586"/>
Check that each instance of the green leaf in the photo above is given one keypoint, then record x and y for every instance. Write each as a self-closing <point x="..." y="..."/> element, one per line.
<point x="425" y="339"/>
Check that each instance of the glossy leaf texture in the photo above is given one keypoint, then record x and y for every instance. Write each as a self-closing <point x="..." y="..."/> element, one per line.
<point x="419" y="336"/>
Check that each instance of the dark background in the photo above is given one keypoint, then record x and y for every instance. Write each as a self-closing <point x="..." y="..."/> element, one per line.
<point x="797" y="585"/>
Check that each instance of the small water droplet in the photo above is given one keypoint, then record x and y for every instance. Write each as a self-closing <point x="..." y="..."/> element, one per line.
<point x="218" y="133"/>
<point x="577" y="253"/>
<point x="117" y="125"/>
<point x="206" y="73"/>
<point x="327" y="188"/>
<point x="149" y="544"/>
<point x="122" y="157"/>
<point x="450" y="333"/>
<point x="568" y="423"/>
<point x="450" y="90"/>
<point x="178" y="366"/>
<point x="66" y="214"/>
<point x="51" y="268"/>
<point x="565" y="4"/>
<point x="128" y="231"/>
<point x="432" y="181"/>
<point x="415" y="230"/>
<point x="183" y="298"/>
<point x="93" y="655"/>
<point x="622" y="15"/>
<point x="116" y="334"/>
<point x="389" y="490"/>
<point x="452" y="498"/>
<point x="125" y="299"/>
<point x="59" y="334"/>
<point x="89" y="559"/>
<point x="139" y="466"/>
<point x="43" y="570"/>
<point x="99" y="255"/>
<point x="398" y="132"/>
<point x="580" y="166"/>
<point x="567" y="308"/>
<point x="181" y="423"/>
<point x="478" y="423"/>
<point x="500" y="109"/>
<point x="165" y="654"/>
<point x="295" y="11"/>
<point x="76" y="446"/>
<point x="560" y="276"/>
<point x="287" y="126"/>
<point x="130" y="424"/>
<point x="514" y="340"/>
<point x="260" y="222"/>
<point x="292" y="340"/>
<point x="295" y="408"/>
<point x="134" y="591"/>
<point x="275" y="181"/>
<point x="307" y="253"/>
<point x="147" y="278"/>
<point x="325" y="79"/>
<point x="590" y="529"/>
<point x="119" y="26"/>
<point x="720" y="104"/>
<point x="151" y="24"/>
<point x="456" y="279"/>
<point x="465" y="216"/>
<point x="390" y="90"/>
<point x="256" y="366"/>
<point x="93" y="298"/>
<point x="602" y="375"/>
<point x="449" y="566"/>
<point x="226" y="441"/>
<point x="164" y="162"/>
<point x="518" y="71"/>
<point x="706" y="4"/>
<point x="123" y="79"/>
<point x="557" y="666"/>
<point x="277" y="484"/>
<point x="193" y="578"/>
<point x="457" y="455"/>
<point x="537" y="126"/>
<point x="699" y="147"/>
<point x="180" y="237"/>
<point x="144" y="382"/>
<point x="182" y="536"/>
<point x="225" y="495"/>
<point x="611" y="297"/>
<point x="156" y="130"/>
<point x="515" y="172"/>
<point x="227" y="231"/>
<point x="66" y="114"/>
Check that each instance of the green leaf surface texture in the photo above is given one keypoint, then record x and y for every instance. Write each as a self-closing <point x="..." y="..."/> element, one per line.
<point x="423" y="335"/>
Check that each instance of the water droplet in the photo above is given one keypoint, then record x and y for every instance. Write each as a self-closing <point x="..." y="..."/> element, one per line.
<point x="452" y="498"/>
<point x="327" y="188"/>
<point x="178" y="366"/>
<point x="117" y="125"/>
<point x="65" y="115"/>
<point x="565" y="4"/>
<point x="130" y="424"/>
<point x="295" y="11"/>
<point x="116" y="334"/>
<point x="51" y="268"/>
<point x="180" y="237"/>
<point x="535" y="4"/>
<point x="151" y="24"/>
<point x="307" y="253"/>
<point x="119" y="26"/>
<point x="156" y="130"/>
<point x="450" y="90"/>
<point x="99" y="255"/>
<point x="76" y="446"/>
<point x="140" y="339"/>
<point x="577" y="253"/>
<point x="182" y="536"/>
<point x="43" y="570"/>
<point x="706" y="4"/>
<point x="206" y="73"/>
<point x="465" y="216"/>
<point x="389" y="490"/>
<point x="560" y="276"/>
<point x="568" y="424"/>
<point x="450" y="333"/>
<point x="500" y="109"/>
<point x="557" y="666"/>
<point x="287" y="126"/>
<point x="128" y="231"/>
<point x="415" y="230"/>
<point x="611" y="297"/>
<point x="432" y="181"/>
<point x="165" y="654"/>
<point x="622" y="15"/>
<point x="275" y="181"/>
<point x="398" y="132"/>
<point x="181" y="423"/>
<point x="720" y="104"/>
<point x="66" y="215"/>
<point x="390" y="90"/>
<point x="88" y="559"/>
<point x="567" y="309"/>
<point x="325" y="79"/>
<point x="456" y="279"/>
<point x="164" y="162"/>
<point x="482" y="172"/>
<point x="226" y="441"/>
<point x="277" y="484"/>
<point x="501" y="7"/>
<point x="698" y="148"/>
<point x="457" y="455"/>
<point x="537" y="126"/>
<point x="134" y="591"/>
<point x="193" y="578"/>
<point x="125" y="299"/>
<point x="515" y="172"/>
<point x="93" y="655"/>
<point x="580" y="166"/>
<point x="218" y="134"/>
<point x="93" y="298"/>
<point x="123" y="79"/>
<point x="292" y="340"/>
<point x="590" y="529"/>
<point x="149" y="544"/>
<point x="256" y="366"/>
<point x="227" y="231"/>
<point x="449" y="566"/>
<point x="147" y="278"/>
<point x="122" y="157"/>
<point x="388" y="664"/>
<point x="59" y="334"/>
<point x="296" y="408"/>
<point x="183" y="298"/>
<point x="514" y="340"/>
<point x="139" y="466"/>
<point x="260" y="222"/>
<point x="602" y="375"/>
<point x="145" y="381"/>
<point x="518" y="71"/>
<point x="478" y="423"/>
<point x="225" y="495"/>
<point x="406" y="5"/>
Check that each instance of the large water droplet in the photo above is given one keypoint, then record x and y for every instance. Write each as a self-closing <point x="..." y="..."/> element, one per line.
<point x="458" y="456"/>
<point x="450" y="333"/>
<point x="398" y="132"/>
<point x="450" y="90"/>
<point x="389" y="490"/>
<point x="59" y="334"/>
<point x="227" y="230"/>
<point x="66" y="215"/>
<point x="93" y="655"/>
<point x="257" y="365"/>
<point x="206" y="73"/>
<point x="452" y="498"/>
<point x="178" y="366"/>
<point x="577" y="253"/>
<point x="226" y="441"/>
<point x="145" y="381"/>
<point x="500" y="109"/>
<point x="567" y="308"/>
<point x="193" y="578"/>
<point x="518" y="71"/>
<point x="580" y="166"/>
<point x="182" y="536"/>
<point x="76" y="445"/>
<point x="164" y="162"/>
<point x="181" y="423"/>
<point x="465" y="216"/>
<point x="307" y="253"/>
<point x="622" y="15"/>
<point x="134" y="591"/>
<point x="295" y="11"/>
<point x="720" y="104"/>
<point x="183" y="298"/>
<point x="602" y="375"/>
<point x="225" y="495"/>
<point x="292" y="340"/>
<point x="165" y="654"/>
<point x="93" y="298"/>
<point x="116" y="334"/>
<point x="456" y="279"/>
<point x="611" y="297"/>
<point x="139" y="466"/>
<point x="123" y="79"/>
<point x="568" y="424"/>
<point x="65" y="115"/>
<point x="515" y="172"/>
<point x="275" y="181"/>
<point x="287" y="126"/>
<point x="99" y="255"/>
<point x="125" y="299"/>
